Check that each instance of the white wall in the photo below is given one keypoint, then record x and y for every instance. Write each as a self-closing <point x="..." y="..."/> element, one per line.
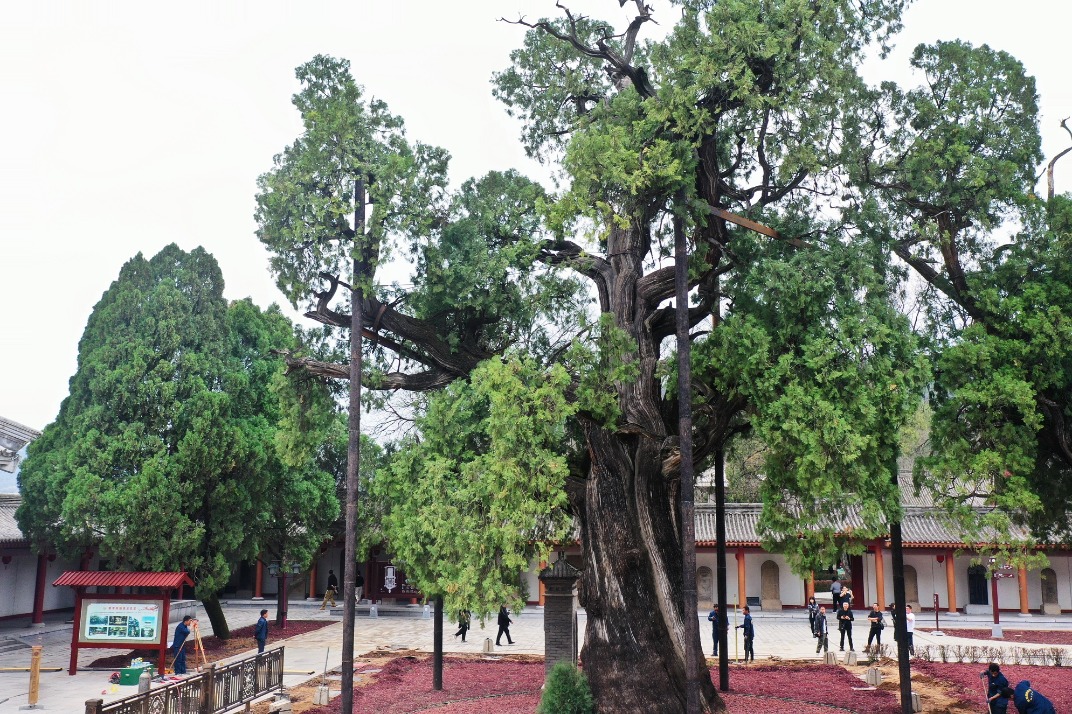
<point x="18" y="580"/>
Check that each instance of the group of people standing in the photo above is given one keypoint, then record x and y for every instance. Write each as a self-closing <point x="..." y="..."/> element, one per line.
<point x="719" y="622"/>
<point x="842" y="606"/>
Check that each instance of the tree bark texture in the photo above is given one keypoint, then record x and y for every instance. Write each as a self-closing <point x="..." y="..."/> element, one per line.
<point x="216" y="618"/>
<point x="635" y="647"/>
<point x="634" y="653"/>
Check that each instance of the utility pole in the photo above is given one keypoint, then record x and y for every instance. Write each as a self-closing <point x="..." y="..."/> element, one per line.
<point x="720" y="567"/>
<point x="688" y="485"/>
<point x="900" y="624"/>
<point x="353" y="453"/>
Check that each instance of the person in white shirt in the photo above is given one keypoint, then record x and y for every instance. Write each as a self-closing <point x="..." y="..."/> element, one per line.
<point x="910" y="627"/>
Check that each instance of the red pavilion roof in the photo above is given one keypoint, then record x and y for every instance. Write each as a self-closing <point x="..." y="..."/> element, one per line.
<point x="118" y="579"/>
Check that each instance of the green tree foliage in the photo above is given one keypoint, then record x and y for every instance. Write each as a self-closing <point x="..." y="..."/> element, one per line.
<point x="479" y="496"/>
<point x="746" y="108"/>
<point x="165" y="453"/>
<point x="955" y="178"/>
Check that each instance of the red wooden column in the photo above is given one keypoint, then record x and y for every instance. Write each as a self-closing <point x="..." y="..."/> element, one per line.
<point x="258" y="581"/>
<point x="809" y="587"/>
<point x="950" y="583"/>
<point x="742" y="600"/>
<point x="312" y="581"/>
<point x="39" y="590"/>
<point x="1021" y="577"/>
<point x="880" y="575"/>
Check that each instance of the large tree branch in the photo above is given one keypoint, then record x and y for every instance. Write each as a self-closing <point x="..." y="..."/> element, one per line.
<point x="432" y="350"/>
<point x="568" y="254"/>
<point x="418" y="382"/>
<point x="1049" y="166"/>
<point x="618" y="65"/>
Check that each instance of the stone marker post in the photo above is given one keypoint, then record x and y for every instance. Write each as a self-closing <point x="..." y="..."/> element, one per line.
<point x="559" y="613"/>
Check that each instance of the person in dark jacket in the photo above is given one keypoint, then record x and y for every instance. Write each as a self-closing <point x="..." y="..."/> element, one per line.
<point x="1031" y="701"/>
<point x="178" y="643"/>
<point x="464" y="619"/>
<point x="504" y="626"/>
<point x="813" y="610"/>
<point x="749" y="635"/>
<point x="999" y="703"/>
<point x="995" y="683"/>
<point x="718" y="622"/>
<point x="845" y="619"/>
<point x="877" y="624"/>
<point x="260" y="631"/>
<point x="821" y="630"/>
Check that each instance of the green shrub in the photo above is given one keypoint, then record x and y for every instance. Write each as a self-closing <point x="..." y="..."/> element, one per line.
<point x="566" y="692"/>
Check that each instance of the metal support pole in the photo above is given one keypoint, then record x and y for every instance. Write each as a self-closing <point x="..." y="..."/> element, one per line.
<point x="720" y="568"/>
<point x="688" y="505"/>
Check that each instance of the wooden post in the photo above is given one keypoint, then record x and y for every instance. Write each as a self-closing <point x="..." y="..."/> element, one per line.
<point x="35" y="674"/>
<point x="742" y="600"/>
<point x="950" y="583"/>
<point x="94" y="706"/>
<point x="258" y="581"/>
<point x="39" y="590"/>
<point x="312" y="581"/>
<point x="1021" y="577"/>
<point x="809" y="587"/>
<point x="880" y="576"/>
<point x="78" y="592"/>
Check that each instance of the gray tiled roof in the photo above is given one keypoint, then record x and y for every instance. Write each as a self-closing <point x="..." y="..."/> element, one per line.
<point x="10" y="534"/>
<point x="921" y="527"/>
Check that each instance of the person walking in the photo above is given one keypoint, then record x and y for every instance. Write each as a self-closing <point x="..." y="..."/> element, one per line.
<point x="178" y="643"/>
<point x="359" y="586"/>
<point x="464" y="619"/>
<point x="821" y="630"/>
<point x="835" y="593"/>
<point x="910" y="629"/>
<point x="845" y="618"/>
<point x="995" y="683"/>
<point x="717" y="623"/>
<point x="504" y="626"/>
<point x="749" y="635"/>
<point x="813" y="610"/>
<point x="331" y="591"/>
<point x="260" y="631"/>
<point x="877" y="625"/>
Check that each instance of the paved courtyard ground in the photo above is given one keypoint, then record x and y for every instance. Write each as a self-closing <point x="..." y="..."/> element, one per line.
<point x="779" y="636"/>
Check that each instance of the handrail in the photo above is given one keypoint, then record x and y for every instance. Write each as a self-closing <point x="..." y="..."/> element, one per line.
<point x="219" y="689"/>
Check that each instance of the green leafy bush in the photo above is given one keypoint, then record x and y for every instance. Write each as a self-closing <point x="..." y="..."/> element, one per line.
<point x="566" y="692"/>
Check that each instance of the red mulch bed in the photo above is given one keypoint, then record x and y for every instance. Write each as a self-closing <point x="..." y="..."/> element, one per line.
<point x="222" y="648"/>
<point x="1020" y="637"/>
<point x="1054" y="682"/>
<point x="804" y="688"/>
<point x="505" y="687"/>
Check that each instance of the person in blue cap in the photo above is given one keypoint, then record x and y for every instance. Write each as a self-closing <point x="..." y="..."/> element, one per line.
<point x="1031" y="701"/>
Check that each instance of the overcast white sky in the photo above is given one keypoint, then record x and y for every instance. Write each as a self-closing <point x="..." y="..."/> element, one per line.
<point x="125" y="126"/>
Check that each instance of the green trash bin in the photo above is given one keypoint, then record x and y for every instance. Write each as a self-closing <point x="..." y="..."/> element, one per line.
<point x="130" y="675"/>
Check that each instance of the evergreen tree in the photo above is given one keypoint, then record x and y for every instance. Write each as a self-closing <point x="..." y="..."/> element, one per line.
<point x="165" y="455"/>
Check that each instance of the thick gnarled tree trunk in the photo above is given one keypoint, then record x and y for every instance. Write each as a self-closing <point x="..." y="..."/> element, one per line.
<point x="634" y="652"/>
